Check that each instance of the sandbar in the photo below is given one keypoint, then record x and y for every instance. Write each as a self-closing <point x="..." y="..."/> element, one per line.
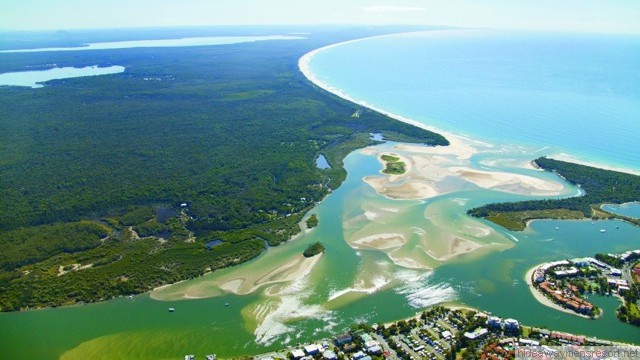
<point x="240" y="282"/>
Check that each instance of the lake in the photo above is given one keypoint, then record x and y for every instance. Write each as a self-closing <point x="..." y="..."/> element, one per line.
<point x="35" y="78"/>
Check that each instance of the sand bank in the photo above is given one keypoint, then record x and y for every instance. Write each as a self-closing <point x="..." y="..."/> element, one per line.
<point x="241" y="282"/>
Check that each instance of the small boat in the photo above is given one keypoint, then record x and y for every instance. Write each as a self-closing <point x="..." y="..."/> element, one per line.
<point x="603" y="230"/>
<point x="557" y="228"/>
<point x="172" y="309"/>
<point x="226" y="304"/>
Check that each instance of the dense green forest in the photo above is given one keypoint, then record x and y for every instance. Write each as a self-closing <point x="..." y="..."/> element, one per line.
<point x="600" y="186"/>
<point x="112" y="185"/>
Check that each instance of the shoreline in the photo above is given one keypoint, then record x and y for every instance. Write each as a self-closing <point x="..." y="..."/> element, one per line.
<point x="303" y="65"/>
<point x="545" y="301"/>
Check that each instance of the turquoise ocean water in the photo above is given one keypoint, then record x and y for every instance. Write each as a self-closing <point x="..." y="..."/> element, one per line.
<point x="576" y="94"/>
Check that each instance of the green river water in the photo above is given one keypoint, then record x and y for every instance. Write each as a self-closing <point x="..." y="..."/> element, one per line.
<point x="319" y="304"/>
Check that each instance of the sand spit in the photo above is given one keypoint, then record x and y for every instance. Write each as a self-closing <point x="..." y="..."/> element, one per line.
<point x="242" y="281"/>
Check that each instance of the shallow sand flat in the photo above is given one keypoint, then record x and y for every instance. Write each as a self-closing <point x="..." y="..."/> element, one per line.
<point x="383" y="241"/>
<point x="239" y="281"/>
<point x="509" y="182"/>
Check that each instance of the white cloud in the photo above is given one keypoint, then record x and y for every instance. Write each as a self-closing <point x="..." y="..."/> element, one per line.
<point x="393" y="9"/>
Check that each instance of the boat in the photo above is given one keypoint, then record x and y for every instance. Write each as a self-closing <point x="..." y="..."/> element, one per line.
<point x="603" y="230"/>
<point x="172" y="309"/>
<point x="226" y="304"/>
<point x="557" y="228"/>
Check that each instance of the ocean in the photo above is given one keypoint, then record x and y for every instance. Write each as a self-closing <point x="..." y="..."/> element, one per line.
<point x="574" y="96"/>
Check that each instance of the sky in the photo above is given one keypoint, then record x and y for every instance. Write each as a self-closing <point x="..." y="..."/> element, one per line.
<point x="620" y="16"/>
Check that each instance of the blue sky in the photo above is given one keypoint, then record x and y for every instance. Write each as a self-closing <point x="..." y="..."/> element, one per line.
<point x="566" y="15"/>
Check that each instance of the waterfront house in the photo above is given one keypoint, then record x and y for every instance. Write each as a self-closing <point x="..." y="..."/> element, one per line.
<point x="511" y="324"/>
<point x="494" y="322"/>
<point x="311" y="349"/>
<point x="297" y="354"/>
<point x="343" y="339"/>
<point x="329" y="355"/>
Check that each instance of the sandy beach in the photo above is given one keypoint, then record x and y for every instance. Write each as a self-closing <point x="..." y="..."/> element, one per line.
<point x="238" y="282"/>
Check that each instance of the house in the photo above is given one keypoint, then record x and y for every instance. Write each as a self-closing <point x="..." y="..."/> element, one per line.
<point x="446" y="334"/>
<point x="329" y="355"/>
<point x="359" y="355"/>
<point x="366" y="337"/>
<point x="343" y="339"/>
<point x="311" y="349"/>
<point x="375" y="349"/>
<point x="297" y="354"/>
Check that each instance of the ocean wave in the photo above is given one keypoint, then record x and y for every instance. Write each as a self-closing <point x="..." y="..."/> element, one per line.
<point x="291" y="306"/>
<point x="420" y="292"/>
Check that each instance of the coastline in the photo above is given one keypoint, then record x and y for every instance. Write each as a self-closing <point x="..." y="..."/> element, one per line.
<point x="545" y="301"/>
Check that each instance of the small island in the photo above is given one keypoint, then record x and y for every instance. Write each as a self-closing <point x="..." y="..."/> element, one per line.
<point x="312" y="221"/>
<point x="393" y="165"/>
<point x="313" y="250"/>
<point x="562" y="284"/>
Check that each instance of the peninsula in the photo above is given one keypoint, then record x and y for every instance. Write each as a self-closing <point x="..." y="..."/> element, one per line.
<point x="600" y="187"/>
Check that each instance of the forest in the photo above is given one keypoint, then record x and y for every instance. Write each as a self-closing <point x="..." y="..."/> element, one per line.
<point x="600" y="187"/>
<point x="112" y="185"/>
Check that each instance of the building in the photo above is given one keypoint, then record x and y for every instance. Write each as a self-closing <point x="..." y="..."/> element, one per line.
<point x="297" y="354"/>
<point x="343" y="339"/>
<point x="311" y="349"/>
<point x="476" y="334"/>
<point x="495" y="322"/>
<point x="329" y="355"/>
<point x="446" y="334"/>
<point x="375" y="349"/>
<point x="366" y="337"/>
<point x="511" y="324"/>
<point x="567" y="273"/>
<point x="359" y="355"/>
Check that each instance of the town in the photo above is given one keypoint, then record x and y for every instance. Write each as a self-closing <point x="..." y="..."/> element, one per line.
<point x="438" y="333"/>
<point x="563" y="283"/>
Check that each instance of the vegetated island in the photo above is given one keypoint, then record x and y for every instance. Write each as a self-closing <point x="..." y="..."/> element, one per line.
<point x="562" y="284"/>
<point x="313" y="250"/>
<point x="151" y="182"/>
<point x="393" y="165"/>
<point x="312" y="221"/>
<point x="600" y="186"/>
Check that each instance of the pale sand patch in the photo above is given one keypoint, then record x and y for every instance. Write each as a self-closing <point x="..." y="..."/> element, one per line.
<point x="383" y="241"/>
<point x="543" y="299"/>
<point x="481" y="231"/>
<point x="412" y="189"/>
<point x="370" y="215"/>
<point x="240" y="283"/>
<point x="407" y="262"/>
<point x="233" y="285"/>
<point x="509" y="182"/>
